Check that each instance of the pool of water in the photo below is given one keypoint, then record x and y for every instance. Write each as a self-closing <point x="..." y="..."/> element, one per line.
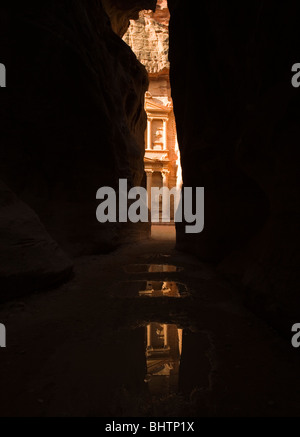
<point x="163" y="354"/>
<point x="149" y="289"/>
<point x="152" y="268"/>
<point x="161" y="359"/>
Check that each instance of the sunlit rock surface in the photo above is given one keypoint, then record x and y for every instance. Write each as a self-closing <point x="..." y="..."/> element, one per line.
<point x="121" y="12"/>
<point x="148" y="37"/>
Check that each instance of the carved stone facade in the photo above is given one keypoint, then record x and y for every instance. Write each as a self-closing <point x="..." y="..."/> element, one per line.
<point x="149" y="39"/>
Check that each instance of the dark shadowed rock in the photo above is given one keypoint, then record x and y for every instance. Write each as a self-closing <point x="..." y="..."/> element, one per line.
<point x="238" y="126"/>
<point x="121" y="12"/>
<point x="29" y="258"/>
<point x="73" y="119"/>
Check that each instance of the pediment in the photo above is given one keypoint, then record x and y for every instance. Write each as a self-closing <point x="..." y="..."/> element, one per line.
<point x="152" y="106"/>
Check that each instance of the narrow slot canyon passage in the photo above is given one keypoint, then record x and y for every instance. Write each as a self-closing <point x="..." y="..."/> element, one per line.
<point x="148" y="37"/>
<point x="117" y="320"/>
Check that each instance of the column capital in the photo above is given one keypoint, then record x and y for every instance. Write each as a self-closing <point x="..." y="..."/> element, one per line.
<point x="149" y="171"/>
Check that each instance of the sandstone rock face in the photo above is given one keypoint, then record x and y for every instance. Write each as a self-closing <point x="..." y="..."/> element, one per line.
<point x="120" y="12"/>
<point x="238" y="126"/>
<point x="162" y="13"/>
<point x="149" y="39"/>
<point x="29" y="258"/>
<point x="72" y="120"/>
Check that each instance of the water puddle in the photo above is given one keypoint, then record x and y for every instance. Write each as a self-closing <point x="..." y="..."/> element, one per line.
<point x="147" y="370"/>
<point x="163" y="289"/>
<point x="155" y="258"/>
<point x="178" y="360"/>
<point x="149" y="289"/>
<point x="152" y="268"/>
<point x="163" y="353"/>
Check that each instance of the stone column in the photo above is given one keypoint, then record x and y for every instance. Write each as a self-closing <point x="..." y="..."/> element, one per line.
<point x="166" y="340"/>
<point x="149" y="174"/>
<point x="149" y="346"/>
<point x="165" y="176"/>
<point x="149" y="133"/>
<point x="165" y="135"/>
<point x="180" y="332"/>
<point x="165" y="201"/>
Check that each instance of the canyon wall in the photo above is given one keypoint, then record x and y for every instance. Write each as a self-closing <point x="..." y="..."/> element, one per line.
<point x="72" y="120"/>
<point x="238" y="127"/>
<point x="148" y="36"/>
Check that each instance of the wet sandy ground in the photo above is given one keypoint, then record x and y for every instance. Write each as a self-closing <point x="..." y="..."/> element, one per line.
<point x="80" y="350"/>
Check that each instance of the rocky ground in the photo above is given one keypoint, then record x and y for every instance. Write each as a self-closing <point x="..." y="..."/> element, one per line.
<point x="80" y="350"/>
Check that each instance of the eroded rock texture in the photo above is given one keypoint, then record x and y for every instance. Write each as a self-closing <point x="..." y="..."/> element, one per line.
<point x="72" y="116"/>
<point x="121" y="12"/>
<point x="148" y="36"/>
<point x="238" y="127"/>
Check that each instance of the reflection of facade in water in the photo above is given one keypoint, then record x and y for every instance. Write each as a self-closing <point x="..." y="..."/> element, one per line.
<point x="164" y="348"/>
<point x="163" y="268"/>
<point x="152" y="268"/>
<point x="160" y="289"/>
